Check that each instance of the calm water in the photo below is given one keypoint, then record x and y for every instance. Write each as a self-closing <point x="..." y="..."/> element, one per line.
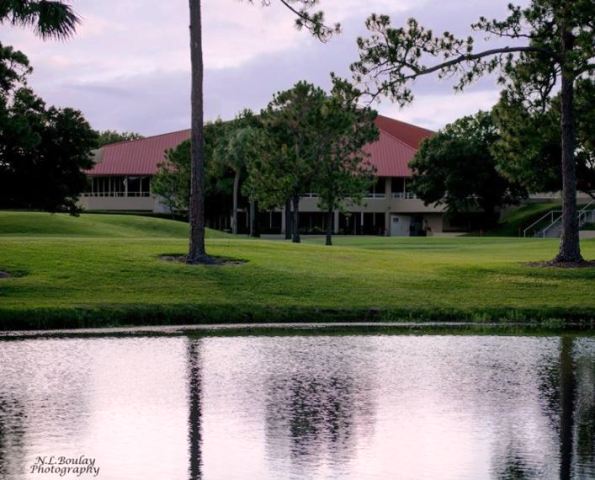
<point x="301" y="407"/>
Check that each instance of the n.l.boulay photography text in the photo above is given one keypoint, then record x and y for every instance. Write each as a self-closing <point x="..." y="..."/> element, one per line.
<point x="64" y="466"/>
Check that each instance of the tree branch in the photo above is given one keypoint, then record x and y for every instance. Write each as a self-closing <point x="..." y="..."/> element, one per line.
<point x="474" y="56"/>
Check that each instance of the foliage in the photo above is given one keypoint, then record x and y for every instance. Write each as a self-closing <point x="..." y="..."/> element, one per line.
<point x="342" y="170"/>
<point x="172" y="181"/>
<point x="456" y="168"/>
<point x="106" y="137"/>
<point x="49" y="19"/>
<point x="552" y="40"/>
<point x="346" y="128"/>
<point x="529" y="148"/>
<point x="312" y="21"/>
<point x="293" y="122"/>
<point x="43" y="150"/>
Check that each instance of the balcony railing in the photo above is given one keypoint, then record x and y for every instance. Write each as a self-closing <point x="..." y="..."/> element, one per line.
<point x="117" y="194"/>
<point x="375" y="195"/>
<point x="405" y="195"/>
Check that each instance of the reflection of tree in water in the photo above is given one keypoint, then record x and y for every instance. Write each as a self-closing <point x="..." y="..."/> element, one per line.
<point x="12" y="448"/>
<point x="566" y="391"/>
<point x="567" y="386"/>
<point x="585" y="411"/>
<point x="194" y="407"/>
<point x="308" y="417"/>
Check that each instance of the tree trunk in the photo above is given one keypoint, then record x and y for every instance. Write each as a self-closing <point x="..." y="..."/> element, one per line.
<point x="197" y="252"/>
<point x="236" y="190"/>
<point x="254" y="219"/>
<point x="288" y="229"/>
<point x="295" y="224"/>
<point x="330" y="220"/>
<point x="570" y="250"/>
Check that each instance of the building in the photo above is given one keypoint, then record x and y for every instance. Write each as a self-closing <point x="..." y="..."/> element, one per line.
<point x="121" y="180"/>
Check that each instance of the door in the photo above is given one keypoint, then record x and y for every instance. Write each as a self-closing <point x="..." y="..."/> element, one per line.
<point x="400" y="225"/>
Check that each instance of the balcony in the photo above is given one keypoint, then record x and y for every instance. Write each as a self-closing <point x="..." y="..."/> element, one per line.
<point x="405" y="195"/>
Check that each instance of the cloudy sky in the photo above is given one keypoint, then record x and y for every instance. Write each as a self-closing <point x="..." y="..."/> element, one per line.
<point x="127" y="68"/>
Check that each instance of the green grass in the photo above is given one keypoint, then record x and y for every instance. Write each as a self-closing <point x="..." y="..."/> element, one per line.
<point x="92" y="225"/>
<point x="101" y="270"/>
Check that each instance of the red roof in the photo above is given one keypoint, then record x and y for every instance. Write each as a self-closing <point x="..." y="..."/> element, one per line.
<point x="136" y="157"/>
<point x="390" y="154"/>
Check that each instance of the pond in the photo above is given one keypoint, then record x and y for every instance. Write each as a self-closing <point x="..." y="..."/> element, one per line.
<point x="325" y="406"/>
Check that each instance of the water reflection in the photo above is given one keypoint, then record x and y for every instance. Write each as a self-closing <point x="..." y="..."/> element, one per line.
<point x="194" y="402"/>
<point x="324" y="407"/>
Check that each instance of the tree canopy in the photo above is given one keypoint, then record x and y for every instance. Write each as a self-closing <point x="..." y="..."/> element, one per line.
<point x="529" y="148"/>
<point x="49" y="19"/>
<point x="43" y="150"/>
<point x="551" y="42"/>
<point x="106" y="137"/>
<point x="456" y="168"/>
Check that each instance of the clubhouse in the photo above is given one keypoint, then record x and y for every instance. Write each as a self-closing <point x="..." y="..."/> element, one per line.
<point x="121" y="181"/>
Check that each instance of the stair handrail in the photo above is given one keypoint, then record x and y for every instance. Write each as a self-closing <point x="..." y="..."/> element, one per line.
<point x="541" y="219"/>
<point x="583" y="211"/>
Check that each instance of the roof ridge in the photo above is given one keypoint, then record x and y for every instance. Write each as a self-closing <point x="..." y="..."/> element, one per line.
<point x="144" y="138"/>
<point x="406" y="123"/>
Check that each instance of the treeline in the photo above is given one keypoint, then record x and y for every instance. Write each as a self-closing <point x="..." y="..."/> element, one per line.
<point x="306" y="140"/>
<point x="484" y="162"/>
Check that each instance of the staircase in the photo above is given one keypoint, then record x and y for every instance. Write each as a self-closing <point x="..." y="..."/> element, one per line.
<point x="550" y="225"/>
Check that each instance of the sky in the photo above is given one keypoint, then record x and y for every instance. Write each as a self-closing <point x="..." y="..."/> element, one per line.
<point x="127" y="67"/>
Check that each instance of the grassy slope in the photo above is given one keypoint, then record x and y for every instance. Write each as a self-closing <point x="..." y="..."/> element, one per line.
<point x="90" y="225"/>
<point x="117" y="277"/>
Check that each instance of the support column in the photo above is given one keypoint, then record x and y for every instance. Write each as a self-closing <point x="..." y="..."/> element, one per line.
<point x="387" y="223"/>
<point x="336" y="222"/>
<point x="283" y="221"/>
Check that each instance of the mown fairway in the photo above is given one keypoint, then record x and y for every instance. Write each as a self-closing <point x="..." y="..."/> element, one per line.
<point x="109" y="265"/>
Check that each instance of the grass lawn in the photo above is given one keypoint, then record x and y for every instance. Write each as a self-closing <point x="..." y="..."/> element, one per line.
<point x="100" y="270"/>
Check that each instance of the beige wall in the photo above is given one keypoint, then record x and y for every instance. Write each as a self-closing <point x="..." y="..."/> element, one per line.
<point x="118" y="203"/>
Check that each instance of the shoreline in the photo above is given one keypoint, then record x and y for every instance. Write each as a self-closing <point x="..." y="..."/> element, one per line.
<point x="207" y="316"/>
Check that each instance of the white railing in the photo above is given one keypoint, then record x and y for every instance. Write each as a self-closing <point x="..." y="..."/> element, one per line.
<point x="405" y="195"/>
<point x="554" y="217"/>
<point x="116" y="194"/>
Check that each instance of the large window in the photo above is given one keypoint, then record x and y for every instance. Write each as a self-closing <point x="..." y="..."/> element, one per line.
<point x="378" y="188"/>
<point x="120" y="186"/>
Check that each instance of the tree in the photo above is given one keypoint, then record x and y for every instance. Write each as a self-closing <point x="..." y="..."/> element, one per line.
<point x="529" y="149"/>
<point x="172" y="181"/>
<point x="106" y="137"/>
<point x="552" y="41"/>
<point x="313" y="22"/>
<point x="455" y="167"/>
<point x="293" y="122"/>
<point x="49" y="19"/>
<point x="43" y="151"/>
<point x="241" y="143"/>
<point x="342" y="168"/>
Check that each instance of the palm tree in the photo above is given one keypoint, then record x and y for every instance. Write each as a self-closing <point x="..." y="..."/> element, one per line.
<point x="49" y="19"/>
